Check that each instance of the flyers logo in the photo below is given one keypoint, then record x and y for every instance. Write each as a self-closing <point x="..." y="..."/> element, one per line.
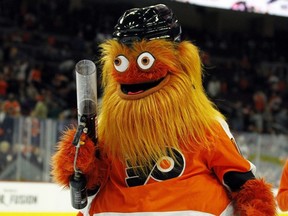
<point x="167" y="167"/>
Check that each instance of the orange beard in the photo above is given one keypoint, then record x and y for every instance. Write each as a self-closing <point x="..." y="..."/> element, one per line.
<point x="141" y="130"/>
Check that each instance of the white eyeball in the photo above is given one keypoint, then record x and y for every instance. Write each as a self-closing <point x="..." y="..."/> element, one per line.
<point x="145" y="60"/>
<point x="121" y="63"/>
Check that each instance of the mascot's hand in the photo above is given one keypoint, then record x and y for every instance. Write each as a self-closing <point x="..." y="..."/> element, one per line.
<point x="255" y="199"/>
<point x="63" y="160"/>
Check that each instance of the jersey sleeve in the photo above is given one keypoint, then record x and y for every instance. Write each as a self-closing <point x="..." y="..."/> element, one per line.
<point x="282" y="195"/>
<point x="225" y="159"/>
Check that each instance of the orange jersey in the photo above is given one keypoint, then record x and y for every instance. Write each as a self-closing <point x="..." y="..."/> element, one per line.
<point x="282" y="196"/>
<point x="11" y="107"/>
<point x="191" y="186"/>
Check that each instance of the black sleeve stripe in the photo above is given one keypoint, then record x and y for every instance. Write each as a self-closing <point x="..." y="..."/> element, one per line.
<point x="234" y="180"/>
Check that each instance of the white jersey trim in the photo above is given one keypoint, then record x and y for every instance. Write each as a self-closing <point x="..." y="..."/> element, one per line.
<point x="172" y="213"/>
<point x="227" y="212"/>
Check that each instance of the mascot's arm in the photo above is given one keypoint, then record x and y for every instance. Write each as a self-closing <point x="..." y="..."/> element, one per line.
<point x="282" y="196"/>
<point x="87" y="162"/>
<point x="282" y="199"/>
<point x="250" y="196"/>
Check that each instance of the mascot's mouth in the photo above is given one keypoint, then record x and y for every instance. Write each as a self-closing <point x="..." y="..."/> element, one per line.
<point x="140" y="90"/>
<point x="132" y="89"/>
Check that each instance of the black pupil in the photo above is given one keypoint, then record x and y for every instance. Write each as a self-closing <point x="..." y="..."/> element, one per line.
<point x="145" y="60"/>
<point x="117" y="61"/>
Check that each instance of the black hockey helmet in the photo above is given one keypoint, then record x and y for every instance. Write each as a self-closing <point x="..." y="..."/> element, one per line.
<point x="153" y="22"/>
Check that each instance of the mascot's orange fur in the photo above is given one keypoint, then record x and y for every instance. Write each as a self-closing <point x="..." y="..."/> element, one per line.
<point x="164" y="148"/>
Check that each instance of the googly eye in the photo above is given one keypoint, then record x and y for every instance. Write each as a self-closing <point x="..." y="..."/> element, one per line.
<point x="121" y="63"/>
<point x="145" y="60"/>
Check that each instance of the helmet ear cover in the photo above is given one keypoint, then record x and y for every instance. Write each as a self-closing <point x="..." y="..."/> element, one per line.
<point x="153" y="22"/>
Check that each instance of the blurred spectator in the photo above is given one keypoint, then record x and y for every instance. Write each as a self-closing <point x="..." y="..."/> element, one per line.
<point x="213" y="87"/>
<point x="21" y="70"/>
<point x="237" y="120"/>
<point x="35" y="77"/>
<point x="256" y="122"/>
<point x="3" y="87"/>
<point x="275" y="102"/>
<point x="41" y="109"/>
<point x="68" y="114"/>
<point x="6" y="125"/>
<point x="54" y="110"/>
<point x="260" y="101"/>
<point x="6" y="155"/>
<point x="11" y="106"/>
<point x="67" y="66"/>
<point x="281" y="120"/>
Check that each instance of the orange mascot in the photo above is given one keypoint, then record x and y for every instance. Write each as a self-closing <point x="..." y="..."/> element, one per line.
<point x="163" y="148"/>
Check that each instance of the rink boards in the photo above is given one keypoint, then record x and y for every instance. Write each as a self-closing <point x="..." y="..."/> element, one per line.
<point x="36" y="214"/>
<point x="38" y="199"/>
<point x="34" y="199"/>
